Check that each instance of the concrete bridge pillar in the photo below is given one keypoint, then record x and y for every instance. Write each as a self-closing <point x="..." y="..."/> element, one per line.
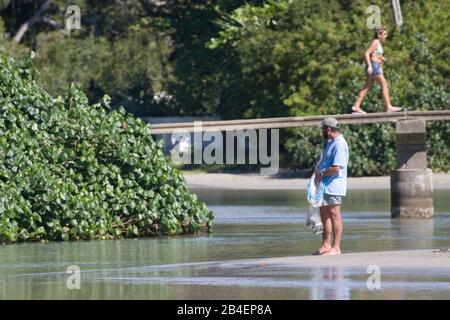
<point x="411" y="182"/>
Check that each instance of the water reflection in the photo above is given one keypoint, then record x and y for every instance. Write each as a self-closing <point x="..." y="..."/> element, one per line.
<point x="419" y="233"/>
<point x="329" y="284"/>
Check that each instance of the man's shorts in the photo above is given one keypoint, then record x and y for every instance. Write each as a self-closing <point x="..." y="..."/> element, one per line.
<point x="329" y="200"/>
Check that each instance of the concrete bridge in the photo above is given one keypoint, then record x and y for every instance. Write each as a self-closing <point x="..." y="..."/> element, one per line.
<point x="411" y="181"/>
<point x="295" y="122"/>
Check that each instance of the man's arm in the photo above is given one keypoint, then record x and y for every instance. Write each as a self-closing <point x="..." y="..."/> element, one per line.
<point x="330" y="171"/>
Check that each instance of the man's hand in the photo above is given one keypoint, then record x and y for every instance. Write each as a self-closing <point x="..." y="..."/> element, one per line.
<point x="318" y="176"/>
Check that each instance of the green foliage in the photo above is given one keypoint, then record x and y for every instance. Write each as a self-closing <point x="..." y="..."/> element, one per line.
<point x="13" y="48"/>
<point x="97" y="64"/>
<point x="246" y="19"/>
<point x="300" y="57"/>
<point x="70" y="170"/>
<point x="150" y="56"/>
<point x="204" y="78"/>
<point x="248" y="59"/>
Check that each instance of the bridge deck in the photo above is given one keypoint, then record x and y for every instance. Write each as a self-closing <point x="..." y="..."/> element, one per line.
<point x="294" y="122"/>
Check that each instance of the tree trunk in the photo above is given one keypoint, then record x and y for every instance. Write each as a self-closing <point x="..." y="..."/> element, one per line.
<point x="35" y="18"/>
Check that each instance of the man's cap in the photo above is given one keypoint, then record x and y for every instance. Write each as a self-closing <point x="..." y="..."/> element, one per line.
<point x="329" y="122"/>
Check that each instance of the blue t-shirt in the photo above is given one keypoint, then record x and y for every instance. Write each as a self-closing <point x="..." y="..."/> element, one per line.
<point x="335" y="153"/>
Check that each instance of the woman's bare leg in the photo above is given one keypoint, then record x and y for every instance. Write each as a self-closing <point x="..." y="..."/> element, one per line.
<point x="362" y="94"/>
<point x="385" y="93"/>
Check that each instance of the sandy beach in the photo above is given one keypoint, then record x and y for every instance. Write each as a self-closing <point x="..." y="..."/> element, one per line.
<point x="245" y="181"/>
<point x="423" y="259"/>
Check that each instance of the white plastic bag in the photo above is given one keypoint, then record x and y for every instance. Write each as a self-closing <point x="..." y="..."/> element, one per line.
<point x="315" y="192"/>
<point x="315" y="196"/>
<point x="314" y="220"/>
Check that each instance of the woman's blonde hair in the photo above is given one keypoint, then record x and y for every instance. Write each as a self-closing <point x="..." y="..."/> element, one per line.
<point x="379" y="31"/>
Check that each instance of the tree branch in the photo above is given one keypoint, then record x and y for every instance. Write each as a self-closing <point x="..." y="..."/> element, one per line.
<point x="35" y="18"/>
<point x="51" y="22"/>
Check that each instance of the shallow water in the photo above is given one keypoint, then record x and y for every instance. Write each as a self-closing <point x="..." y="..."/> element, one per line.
<point x="249" y="224"/>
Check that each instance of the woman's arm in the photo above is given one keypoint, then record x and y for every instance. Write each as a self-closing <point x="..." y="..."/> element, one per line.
<point x="370" y="49"/>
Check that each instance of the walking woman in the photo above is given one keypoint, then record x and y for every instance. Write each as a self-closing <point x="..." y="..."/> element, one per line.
<point x="374" y="72"/>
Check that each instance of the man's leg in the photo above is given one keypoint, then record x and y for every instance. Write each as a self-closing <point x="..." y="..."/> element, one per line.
<point x="327" y="228"/>
<point x="335" y="214"/>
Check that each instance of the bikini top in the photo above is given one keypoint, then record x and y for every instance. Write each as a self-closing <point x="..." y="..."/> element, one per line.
<point x="379" y="49"/>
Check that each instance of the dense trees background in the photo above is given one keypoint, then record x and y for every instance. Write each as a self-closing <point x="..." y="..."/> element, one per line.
<point x="246" y="59"/>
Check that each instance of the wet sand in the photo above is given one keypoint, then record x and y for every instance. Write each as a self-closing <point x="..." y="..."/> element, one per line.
<point x="423" y="259"/>
<point x="246" y="181"/>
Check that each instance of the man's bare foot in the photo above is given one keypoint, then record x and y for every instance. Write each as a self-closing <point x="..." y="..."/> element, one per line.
<point x="332" y="252"/>
<point x="322" y="250"/>
<point x="357" y="110"/>
<point x="393" y="109"/>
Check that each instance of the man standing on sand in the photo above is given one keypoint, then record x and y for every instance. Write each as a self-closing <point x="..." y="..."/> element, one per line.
<point x="332" y="169"/>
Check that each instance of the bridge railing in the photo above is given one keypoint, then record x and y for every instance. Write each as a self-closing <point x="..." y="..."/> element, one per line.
<point x="294" y="122"/>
